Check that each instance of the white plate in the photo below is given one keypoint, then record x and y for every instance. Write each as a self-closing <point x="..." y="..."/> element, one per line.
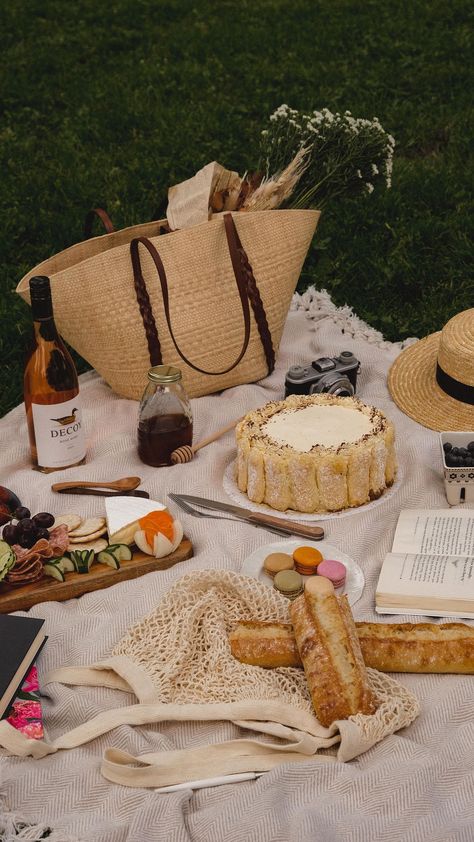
<point x="354" y="584"/>
<point x="232" y="489"/>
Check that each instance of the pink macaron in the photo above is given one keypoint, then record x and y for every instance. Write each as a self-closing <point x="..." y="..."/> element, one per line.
<point x="333" y="570"/>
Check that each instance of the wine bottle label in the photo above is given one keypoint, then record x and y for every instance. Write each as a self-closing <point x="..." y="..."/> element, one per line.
<point x="58" y="433"/>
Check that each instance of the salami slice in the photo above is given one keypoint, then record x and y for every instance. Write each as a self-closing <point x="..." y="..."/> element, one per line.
<point x="58" y="539"/>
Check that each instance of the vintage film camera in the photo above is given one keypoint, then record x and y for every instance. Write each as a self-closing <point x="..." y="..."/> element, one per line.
<point x="326" y="375"/>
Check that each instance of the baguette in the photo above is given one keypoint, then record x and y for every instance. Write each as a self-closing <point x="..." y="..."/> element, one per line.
<point x="388" y="647"/>
<point x="330" y="653"/>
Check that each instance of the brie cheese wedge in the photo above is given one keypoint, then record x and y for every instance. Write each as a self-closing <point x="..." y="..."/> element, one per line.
<point x="122" y="515"/>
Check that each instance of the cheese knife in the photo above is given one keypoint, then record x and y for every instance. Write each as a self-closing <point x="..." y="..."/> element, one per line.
<point x="314" y="533"/>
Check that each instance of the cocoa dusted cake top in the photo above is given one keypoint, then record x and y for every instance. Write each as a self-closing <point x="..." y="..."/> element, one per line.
<point x="311" y="423"/>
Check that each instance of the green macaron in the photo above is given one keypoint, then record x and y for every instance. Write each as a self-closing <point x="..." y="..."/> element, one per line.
<point x="289" y="583"/>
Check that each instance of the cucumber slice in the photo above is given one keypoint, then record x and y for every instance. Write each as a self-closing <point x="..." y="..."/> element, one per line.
<point x="7" y="555"/>
<point x="7" y="561"/>
<point x="65" y="563"/>
<point x="4" y="571"/>
<point x="108" y="557"/>
<point x="4" y="547"/>
<point x="121" y="551"/>
<point x="54" y="571"/>
<point x="82" y="560"/>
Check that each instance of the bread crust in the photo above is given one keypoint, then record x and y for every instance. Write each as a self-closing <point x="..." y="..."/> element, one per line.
<point x="388" y="647"/>
<point x="332" y="660"/>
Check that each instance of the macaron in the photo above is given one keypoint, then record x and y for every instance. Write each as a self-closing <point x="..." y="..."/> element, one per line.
<point x="307" y="560"/>
<point x="333" y="570"/>
<point x="275" y="562"/>
<point x="289" y="583"/>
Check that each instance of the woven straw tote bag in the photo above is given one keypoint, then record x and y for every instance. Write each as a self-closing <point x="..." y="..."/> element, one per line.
<point x="211" y="299"/>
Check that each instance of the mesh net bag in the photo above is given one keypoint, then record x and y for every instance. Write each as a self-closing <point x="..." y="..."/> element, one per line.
<point x="183" y="647"/>
<point x="178" y="662"/>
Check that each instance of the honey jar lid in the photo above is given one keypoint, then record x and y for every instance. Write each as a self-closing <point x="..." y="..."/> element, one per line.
<point x="164" y="374"/>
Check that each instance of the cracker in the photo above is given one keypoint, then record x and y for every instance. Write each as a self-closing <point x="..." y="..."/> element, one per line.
<point x="70" y="520"/>
<point x="80" y="539"/>
<point x="98" y="545"/>
<point x="88" y="527"/>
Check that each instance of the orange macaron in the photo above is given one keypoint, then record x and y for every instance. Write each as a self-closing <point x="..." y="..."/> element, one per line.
<point x="306" y="560"/>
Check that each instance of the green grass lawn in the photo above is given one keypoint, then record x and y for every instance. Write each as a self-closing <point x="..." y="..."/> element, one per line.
<point x="110" y="103"/>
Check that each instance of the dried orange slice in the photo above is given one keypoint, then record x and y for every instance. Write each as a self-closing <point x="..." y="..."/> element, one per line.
<point x="157" y="522"/>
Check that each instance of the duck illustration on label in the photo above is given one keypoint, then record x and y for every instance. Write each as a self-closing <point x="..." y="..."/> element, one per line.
<point x="66" y="419"/>
<point x="59" y="435"/>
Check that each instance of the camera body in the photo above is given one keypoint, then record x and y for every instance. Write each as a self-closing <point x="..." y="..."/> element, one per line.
<point x="326" y="375"/>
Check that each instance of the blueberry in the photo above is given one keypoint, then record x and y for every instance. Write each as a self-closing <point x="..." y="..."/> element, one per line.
<point x="471" y="446"/>
<point x="447" y="446"/>
<point x="455" y="451"/>
<point x="463" y="452"/>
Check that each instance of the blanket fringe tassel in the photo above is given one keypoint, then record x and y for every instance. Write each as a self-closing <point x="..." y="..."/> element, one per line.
<point x="318" y="304"/>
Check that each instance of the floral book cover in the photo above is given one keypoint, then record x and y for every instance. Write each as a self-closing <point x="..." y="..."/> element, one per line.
<point x="25" y="714"/>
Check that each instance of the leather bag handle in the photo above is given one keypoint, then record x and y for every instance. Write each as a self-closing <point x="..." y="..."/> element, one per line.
<point x="104" y="218"/>
<point x="246" y="285"/>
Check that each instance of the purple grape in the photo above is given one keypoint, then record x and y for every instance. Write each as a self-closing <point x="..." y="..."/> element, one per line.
<point x="26" y="540"/>
<point x="21" y="513"/>
<point x="10" y="534"/>
<point x="27" y="525"/>
<point x="42" y="533"/>
<point x="44" y="520"/>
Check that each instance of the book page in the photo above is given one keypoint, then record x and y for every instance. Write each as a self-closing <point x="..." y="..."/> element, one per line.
<point x="444" y="532"/>
<point x="447" y="577"/>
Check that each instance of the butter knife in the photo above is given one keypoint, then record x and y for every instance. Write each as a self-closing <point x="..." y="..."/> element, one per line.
<point x="314" y="533"/>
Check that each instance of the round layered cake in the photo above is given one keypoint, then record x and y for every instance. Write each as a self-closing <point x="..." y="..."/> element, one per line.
<point x="315" y="453"/>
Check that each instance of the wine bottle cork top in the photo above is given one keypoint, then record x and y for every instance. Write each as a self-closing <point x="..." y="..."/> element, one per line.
<point x="319" y="586"/>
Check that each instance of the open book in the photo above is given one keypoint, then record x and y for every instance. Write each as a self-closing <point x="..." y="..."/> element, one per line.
<point x="430" y="570"/>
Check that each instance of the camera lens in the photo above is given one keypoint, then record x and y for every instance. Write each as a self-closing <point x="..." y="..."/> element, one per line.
<point x="334" y="384"/>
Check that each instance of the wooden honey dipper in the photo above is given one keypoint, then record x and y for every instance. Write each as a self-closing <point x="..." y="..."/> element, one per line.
<point x="186" y="453"/>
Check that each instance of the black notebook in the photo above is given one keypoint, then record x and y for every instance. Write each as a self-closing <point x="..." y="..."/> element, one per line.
<point x="21" y="638"/>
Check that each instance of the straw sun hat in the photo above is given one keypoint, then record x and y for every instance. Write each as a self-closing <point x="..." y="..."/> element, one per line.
<point x="433" y="380"/>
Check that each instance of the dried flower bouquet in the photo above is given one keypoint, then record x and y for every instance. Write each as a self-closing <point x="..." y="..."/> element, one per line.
<point x="337" y="154"/>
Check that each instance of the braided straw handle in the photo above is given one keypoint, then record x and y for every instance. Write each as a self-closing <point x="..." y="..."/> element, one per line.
<point x="186" y="453"/>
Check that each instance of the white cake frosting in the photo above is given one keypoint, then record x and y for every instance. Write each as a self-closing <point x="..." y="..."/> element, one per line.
<point x="317" y="425"/>
<point x="315" y="453"/>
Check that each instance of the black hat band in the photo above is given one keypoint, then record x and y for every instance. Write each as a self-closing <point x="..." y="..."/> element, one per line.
<point x="454" y="388"/>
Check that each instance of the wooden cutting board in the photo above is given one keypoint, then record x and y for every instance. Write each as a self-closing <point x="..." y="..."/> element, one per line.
<point x="99" y="576"/>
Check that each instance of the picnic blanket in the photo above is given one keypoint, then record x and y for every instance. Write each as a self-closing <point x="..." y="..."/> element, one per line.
<point x="414" y="785"/>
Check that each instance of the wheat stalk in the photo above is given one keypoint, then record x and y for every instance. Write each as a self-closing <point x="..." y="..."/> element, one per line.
<point x="273" y="191"/>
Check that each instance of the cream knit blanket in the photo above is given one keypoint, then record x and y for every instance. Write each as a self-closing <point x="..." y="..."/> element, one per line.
<point x="413" y="785"/>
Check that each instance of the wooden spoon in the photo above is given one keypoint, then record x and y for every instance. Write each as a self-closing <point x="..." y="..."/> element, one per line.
<point x="124" y="484"/>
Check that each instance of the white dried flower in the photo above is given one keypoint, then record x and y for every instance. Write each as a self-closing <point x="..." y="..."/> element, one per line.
<point x="342" y="152"/>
